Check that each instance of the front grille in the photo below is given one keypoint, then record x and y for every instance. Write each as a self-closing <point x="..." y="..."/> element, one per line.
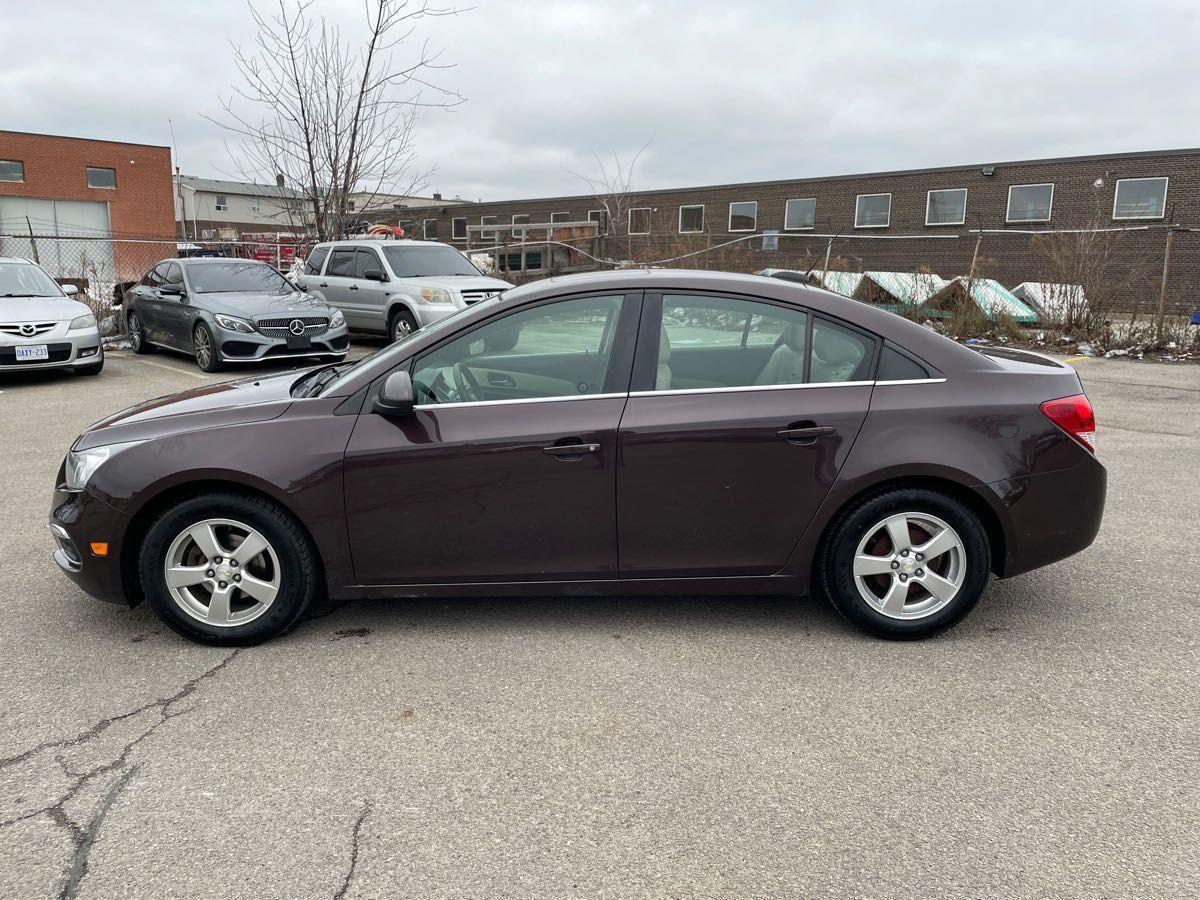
<point x="57" y="353"/>
<point x="38" y="328"/>
<point x="280" y="328"/>
<point x="470" y="297"/>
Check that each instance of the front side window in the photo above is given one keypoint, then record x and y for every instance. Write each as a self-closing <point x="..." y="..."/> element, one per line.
<point x="1140" y="198"/>
<point x="12" y="170"/>
<point x="691" y="219"/>
<point x="639" y="220"/>
<point x="800" y="214"/>
<point x="721" y="342"/>
<point x="561" y="349"/>
<point x="316" y="259"/>
<point x="873" y="211"/>
<point x="173" y="274"/>
<point x="221" y="203"/>
<point x="368" y="261"/>
<point x="155" y="276"/>
<point x="743" y="215"/>
<point x="101" y="178"/>
<point x="1030" y="202"/>
<point x="237" y="276"/>
<point x="946" y="207"/>
<point x="424" y="262"/>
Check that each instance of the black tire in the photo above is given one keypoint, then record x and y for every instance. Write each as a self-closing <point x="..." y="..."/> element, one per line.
<point x="836" y="556"/>
<point x="401" y="324"/>
<point x="299" y="567"/>
<point x="137" y="334"/>
<point x="202" y="339"/>
<point x="91" y="370"/>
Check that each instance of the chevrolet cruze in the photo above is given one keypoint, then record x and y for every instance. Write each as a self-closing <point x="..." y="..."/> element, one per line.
<point x="639" y="432"/>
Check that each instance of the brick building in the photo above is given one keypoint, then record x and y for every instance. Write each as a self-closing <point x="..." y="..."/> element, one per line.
<point x="63" y="200"/>
<point x="891" y="221"/>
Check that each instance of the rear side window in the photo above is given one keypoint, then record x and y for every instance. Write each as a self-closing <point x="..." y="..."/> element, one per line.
<point x="839" y="354"/>
<point x="897" y="366"/>
<point x="316" y="259"/>
<point x="342" y="263"/>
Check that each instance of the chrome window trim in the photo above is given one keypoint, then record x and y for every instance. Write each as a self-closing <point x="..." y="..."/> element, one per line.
<point x="753" y="387"/>
<point x="518" y="400"/>
<point x="911" y="381"/>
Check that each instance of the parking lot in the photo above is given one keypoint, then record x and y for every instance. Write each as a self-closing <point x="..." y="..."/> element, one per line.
<point x="564" y="747"/>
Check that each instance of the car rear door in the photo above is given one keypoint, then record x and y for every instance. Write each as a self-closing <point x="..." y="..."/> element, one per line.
<point x="470" y="488"/>
<point x="335" y="284"/>
<point x="734" y="432"/>
<point x="174" y="310"/>
<point x="145" y="301"/>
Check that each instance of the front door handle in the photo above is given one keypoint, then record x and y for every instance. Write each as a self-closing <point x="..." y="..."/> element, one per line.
<point x="806" y="434"/>
<point x="354" y="287"/>
<point x="570" y="450"/>
<point x="323" y="284"/>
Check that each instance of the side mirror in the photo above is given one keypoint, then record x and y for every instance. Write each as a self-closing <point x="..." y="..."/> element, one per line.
<point x="69" y="289"/>
<point x="395" y="397"/>
<point x="374" y="275"/>
<point x="175" y="289"/>
<point x="301" y="286"/>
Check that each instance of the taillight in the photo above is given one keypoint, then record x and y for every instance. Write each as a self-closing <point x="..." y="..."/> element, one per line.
<point x="1074" y="416"/>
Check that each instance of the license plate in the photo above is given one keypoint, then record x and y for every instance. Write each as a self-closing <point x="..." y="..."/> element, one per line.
<point x="299" y="342"/>
<point x="33" y="353"/>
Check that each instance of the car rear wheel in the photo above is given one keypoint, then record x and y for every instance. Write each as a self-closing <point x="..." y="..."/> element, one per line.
<point x="226" y="569"/>
<point x="905" y="563"/>
<point x="205" y="348"/>
<point x="402" y="324"/>
<point x="137" y="335"/>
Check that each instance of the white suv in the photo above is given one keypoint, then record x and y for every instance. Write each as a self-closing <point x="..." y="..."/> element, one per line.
<point x="394" y="287"/>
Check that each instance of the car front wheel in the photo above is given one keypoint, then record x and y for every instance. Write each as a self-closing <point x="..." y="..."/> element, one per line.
<point x="905" y="563"/>
<point x="226" y="569"/>
<point x="205" y="348"/>
<point x="402" y="325"/>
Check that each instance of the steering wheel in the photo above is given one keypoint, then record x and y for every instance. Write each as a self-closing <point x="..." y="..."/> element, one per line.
<point x="467" y="384"/>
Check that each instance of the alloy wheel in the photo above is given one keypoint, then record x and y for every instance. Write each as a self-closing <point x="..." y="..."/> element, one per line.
<point x="204" y="348"/>
<point x="909" y="565"/>
<point x="222" y="572"/>
<point x="135" y="333"/>
<point x="401" y="329"/>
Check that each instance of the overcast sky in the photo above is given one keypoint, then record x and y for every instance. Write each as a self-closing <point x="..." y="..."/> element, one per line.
<point x="722" y="91"/>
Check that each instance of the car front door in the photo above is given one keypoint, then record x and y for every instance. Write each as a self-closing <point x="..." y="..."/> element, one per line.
<point x="370" y="294"/>
<point x="740" y="415"/>
<point x="506" y="468"/>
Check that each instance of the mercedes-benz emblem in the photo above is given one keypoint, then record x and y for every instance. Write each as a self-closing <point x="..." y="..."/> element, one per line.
<point x="296" y="327"/>
<point x="28" y="330"/>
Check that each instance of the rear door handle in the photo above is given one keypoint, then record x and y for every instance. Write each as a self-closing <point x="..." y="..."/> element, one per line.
<point x="569" y="450"/>
<point x="806" y="434"/>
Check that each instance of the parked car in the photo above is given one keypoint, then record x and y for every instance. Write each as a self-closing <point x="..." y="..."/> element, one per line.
<point x="41" y="327"/>
<point x="223" y="311"/>
<point x="647" y="432"/>
<point x="395" y="287"/>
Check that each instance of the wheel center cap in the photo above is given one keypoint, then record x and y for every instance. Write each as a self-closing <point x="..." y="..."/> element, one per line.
<point x="224" y="573"/>
<point x="907" y="563"/>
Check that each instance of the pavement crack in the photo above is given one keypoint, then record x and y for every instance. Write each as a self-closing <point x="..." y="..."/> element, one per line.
<point x="354" y="848"/>
<point x="85" y="837"/>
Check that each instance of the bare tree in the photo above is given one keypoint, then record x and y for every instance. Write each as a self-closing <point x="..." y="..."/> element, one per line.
<point x="612" y="187"/>
<point x="331" y="116"/>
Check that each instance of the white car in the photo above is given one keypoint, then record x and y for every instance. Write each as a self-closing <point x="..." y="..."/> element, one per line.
<point x="41" y="327"/>
<point x="394" y="287"/>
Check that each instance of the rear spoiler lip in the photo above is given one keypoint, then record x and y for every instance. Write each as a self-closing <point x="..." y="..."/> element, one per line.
<point x="1029" y="357"/>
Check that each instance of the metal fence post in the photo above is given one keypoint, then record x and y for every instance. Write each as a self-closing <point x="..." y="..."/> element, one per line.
<point x="1162" y="290"/>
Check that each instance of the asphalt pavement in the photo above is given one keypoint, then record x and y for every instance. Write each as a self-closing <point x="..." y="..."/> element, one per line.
<point x="1046" y="747"/>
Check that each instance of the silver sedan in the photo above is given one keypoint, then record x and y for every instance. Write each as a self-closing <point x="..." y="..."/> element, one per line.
<point x="41" y="327"/>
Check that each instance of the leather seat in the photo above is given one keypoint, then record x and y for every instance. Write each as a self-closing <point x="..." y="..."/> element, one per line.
<point x="836" y="355"/>
<point x="786" y="365"/>
<point x="662" y="380"/>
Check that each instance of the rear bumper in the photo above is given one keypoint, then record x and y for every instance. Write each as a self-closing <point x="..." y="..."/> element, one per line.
<point x="1050" y="516"/>
<point x="77" y="520"/>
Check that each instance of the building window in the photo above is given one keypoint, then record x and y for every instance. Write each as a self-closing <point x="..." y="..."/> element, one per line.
<point x="488" y="234"/>
<point x="639" y="220"/>
<point x="429" y="229"/>
<point x="12" y="170"/>
<point x="1140" y="198"/>
<point x="560" y="217"/>
<point x="946" y="207"/>
<point x="691" y="219"/>
<point x="743" y="215"/>
<point x="221" y="203"/>
<point x="350" y="205"/>
<point x="458" y="229"/>
<point x="799" y="215"/>
<point x="873" y="211"/>
<point x="101" y="178"/>
<point x="600" y="217"/>
<point x="1030" y="202"/>
<point x="520" y="219"/>
<point x="255" y="205"/>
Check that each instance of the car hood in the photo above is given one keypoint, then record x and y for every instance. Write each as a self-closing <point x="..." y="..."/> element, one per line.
<point x="211" y="406"/>
<point x="44" y="309"/>
<point x="250" y="305"/>
<point x="461" y="282"/>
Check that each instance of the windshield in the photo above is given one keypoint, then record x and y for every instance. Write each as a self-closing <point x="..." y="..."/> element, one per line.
<point x="420" y="262"/>
<point x="381" y="360"/>
<point x="24" y="280"/>
<point x="238" y="277"/>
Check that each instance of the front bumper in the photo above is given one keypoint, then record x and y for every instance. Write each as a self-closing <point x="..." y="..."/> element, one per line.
<point x="428" y="313"/>
<point x="237" y="346"/>
<point x="77" y="521"/>
<point x="66" y="349"/>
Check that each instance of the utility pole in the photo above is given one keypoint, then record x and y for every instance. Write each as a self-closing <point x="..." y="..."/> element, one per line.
<point x="1162" y="291"/>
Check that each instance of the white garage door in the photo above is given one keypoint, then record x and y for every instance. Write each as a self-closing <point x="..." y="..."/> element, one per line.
<point x="52" y="221"/>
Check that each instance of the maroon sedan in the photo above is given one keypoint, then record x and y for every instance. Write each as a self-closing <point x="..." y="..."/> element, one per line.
<point x="660" y="432"/>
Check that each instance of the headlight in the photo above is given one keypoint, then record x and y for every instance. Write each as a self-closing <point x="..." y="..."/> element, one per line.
<point x="436" y="295"/>
<point x="82" y="464"/>
<point x="232" y="324"/>
<point x="87" y="320"/>
<point x="338" y="319"/>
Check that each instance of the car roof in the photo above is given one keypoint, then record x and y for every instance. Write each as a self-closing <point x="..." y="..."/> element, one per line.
<point x="366" y="242"/>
